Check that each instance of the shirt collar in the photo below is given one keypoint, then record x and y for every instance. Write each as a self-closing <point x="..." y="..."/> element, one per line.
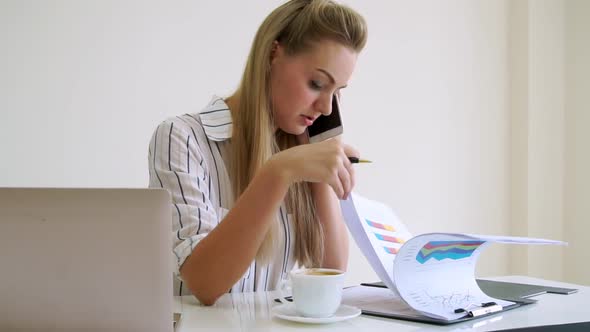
<point x="216" y="120"/>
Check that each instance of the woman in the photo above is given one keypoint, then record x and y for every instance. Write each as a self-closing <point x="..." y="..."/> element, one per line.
<point x="250" y="197"/>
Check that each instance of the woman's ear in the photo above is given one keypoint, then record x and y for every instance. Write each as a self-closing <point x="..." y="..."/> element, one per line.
<point x="274" y="51"/>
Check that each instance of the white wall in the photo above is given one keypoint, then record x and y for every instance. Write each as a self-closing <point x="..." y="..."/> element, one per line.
<point x="83" y="85"/>
<point x="549" y="66"/>
<point x="546" y="133"/>
<point x="577" y="155"/>
<point x="429" y="103"/>
<point x="537" y="129"/>
<point x="519" y="132"/>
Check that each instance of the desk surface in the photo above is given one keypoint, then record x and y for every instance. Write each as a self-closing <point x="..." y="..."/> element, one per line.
<point x="252" y="312"/>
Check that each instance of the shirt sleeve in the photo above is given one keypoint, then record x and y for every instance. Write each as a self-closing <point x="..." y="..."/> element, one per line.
<point x="177" y="164"/>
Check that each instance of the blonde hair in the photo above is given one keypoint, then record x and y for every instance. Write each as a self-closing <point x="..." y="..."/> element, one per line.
<point x="296" y="25"/>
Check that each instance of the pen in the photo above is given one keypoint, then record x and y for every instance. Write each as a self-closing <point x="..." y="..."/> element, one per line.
<point x="356" y="160"/>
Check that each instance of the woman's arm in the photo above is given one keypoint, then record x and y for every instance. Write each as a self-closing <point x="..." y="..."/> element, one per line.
<point x="212" y="254"/>
<point x="330" y="215"/>
<point x="221" y="258"/>
<point x="335" y="233"/>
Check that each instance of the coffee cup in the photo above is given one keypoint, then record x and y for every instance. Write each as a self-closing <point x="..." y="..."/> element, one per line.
<point x="317" y="292"/>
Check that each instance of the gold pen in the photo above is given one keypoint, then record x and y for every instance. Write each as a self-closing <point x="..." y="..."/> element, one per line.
<point x="356" y="160"/>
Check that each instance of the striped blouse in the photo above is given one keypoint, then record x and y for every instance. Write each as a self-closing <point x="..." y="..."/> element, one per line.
<point x="188" y="155"/>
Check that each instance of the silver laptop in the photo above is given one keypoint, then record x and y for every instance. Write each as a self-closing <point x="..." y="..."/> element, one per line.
<point x="97" y="259"/>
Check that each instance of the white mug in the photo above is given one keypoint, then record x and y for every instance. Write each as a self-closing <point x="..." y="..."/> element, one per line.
<point x="317" y="292"/>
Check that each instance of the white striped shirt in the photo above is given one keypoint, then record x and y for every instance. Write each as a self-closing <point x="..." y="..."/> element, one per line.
<point x="188" y="156"/>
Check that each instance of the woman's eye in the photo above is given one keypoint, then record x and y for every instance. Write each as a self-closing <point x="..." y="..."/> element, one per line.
<point x="315" y="85"/>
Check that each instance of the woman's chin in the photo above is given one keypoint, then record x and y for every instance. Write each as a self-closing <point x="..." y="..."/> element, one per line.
<point x="296" y="130"/>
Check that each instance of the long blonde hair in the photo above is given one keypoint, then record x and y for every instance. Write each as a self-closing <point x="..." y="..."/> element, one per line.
<point x="296" y="25"/>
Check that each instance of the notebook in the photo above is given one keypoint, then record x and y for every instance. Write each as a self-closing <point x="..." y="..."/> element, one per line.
<point x="97" y="259"/>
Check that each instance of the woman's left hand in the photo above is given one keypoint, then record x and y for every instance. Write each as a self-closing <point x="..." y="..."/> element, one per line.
<point x="349" y="150"/>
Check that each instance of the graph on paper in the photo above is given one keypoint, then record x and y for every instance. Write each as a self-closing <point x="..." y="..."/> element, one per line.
<point x="390" y="250"/>
<point x="388" y="238"/>
<point x="453" y="250"/>
<point x="447" y="301"/>
<point x="377" y="226"/>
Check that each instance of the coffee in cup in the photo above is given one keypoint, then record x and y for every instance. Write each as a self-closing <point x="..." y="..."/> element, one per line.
<point x="319" y="272"/>
<point x="317" y="292"/>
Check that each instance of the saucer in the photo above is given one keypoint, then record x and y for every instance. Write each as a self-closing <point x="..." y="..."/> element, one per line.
<point x="287" y="311"/>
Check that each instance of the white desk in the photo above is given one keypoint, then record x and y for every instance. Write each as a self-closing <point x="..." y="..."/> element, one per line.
<point x="252" y="312"/>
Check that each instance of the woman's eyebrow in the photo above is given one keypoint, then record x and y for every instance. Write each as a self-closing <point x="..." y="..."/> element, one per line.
<point x="325" y="72"/>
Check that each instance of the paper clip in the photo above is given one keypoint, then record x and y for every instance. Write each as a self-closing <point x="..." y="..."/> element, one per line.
<point x="484" y="309"/>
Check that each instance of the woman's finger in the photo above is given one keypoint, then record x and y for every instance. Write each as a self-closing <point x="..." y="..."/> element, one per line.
<point x="344" y="178"/>
<point x="350" y="151"/>
<point x="337" y="187"/>
<point x="334" y="182"/>
<point x="351" y="174"/>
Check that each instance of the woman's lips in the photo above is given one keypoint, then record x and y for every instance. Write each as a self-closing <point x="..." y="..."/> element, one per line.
<point x="307" y="120"/>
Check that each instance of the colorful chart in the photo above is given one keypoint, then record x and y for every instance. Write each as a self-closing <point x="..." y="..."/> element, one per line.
<point x="380" y="226"/>
<point x="440" y="250"/>
<point x="391" y="250"/>
<point x="389" y="238"/>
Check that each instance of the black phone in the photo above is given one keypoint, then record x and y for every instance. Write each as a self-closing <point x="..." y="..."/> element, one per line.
<point x="326" y="126"/>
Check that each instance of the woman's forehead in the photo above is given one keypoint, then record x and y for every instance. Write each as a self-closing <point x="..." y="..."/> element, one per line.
<point x="332" y="59"/>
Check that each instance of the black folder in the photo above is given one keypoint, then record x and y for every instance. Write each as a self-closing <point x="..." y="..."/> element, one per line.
<point x="518" y="293"/>
<point x="571" y="327"/>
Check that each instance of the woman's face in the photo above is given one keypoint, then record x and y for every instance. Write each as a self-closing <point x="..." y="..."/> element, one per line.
<point x="302" y="85"/>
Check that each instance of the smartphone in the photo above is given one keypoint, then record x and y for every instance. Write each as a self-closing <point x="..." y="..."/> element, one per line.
<point x="326" y="126"/>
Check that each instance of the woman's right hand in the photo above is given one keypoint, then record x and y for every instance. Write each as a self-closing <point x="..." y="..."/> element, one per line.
<point x="325" y="162"/>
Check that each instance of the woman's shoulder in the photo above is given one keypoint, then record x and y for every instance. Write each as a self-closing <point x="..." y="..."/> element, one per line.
<point x="212" y="122"/>
<point x="215" y="119"/>
<point x="180" y="127"/>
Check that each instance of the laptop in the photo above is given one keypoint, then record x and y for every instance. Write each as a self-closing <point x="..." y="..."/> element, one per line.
<point x="92" y="259"/>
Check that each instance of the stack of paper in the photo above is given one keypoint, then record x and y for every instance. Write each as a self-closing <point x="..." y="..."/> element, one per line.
<point x="431" y="274"/>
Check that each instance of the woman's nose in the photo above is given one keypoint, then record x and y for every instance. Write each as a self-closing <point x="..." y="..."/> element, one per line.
<point x="324" y="105"/>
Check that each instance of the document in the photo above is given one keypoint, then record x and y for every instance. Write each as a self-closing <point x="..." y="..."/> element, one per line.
<point x="431" y="274"/>
<point x="377" y="299"/>
<point x="378" y="232"/>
